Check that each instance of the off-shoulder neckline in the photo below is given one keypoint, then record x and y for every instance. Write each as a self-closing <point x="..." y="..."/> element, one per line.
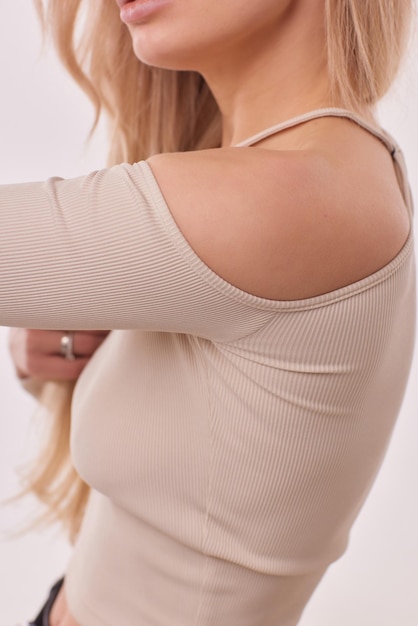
<point x="247" y="298"/>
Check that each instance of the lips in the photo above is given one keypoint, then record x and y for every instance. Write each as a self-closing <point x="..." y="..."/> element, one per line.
<point x="140" y="11"/>
<point x="121" y="3"/>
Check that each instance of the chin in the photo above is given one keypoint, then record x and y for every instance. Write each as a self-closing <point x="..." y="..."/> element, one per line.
<point x="157" y="51"/>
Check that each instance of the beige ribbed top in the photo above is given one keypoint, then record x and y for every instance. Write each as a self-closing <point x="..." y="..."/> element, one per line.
<point x="230" y="440"/>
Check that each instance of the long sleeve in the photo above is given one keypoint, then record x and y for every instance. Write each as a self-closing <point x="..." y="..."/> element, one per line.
<point x="102" y="251"/>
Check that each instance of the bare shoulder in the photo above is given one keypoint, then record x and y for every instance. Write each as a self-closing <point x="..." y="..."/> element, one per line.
<point x="283" y="225"/>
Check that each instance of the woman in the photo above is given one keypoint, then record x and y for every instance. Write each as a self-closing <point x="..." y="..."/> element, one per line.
<point x="259" y="288"/>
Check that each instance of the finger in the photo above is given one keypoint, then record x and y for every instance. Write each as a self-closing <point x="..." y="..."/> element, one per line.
<point x="54" y="367"/>
<point x="49" y="342"/>
<point x="85" y="343"/>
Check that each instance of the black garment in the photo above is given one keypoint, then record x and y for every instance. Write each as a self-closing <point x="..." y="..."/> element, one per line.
<point x="43" y="618"/>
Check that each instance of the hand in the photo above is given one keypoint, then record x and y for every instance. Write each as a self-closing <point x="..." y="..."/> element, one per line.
<point x="36" y="353"/>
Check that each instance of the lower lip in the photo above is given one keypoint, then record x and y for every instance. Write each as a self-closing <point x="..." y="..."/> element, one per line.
<point x="140" y="10"/>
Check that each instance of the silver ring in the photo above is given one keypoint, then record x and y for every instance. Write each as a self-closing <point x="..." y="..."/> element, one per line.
<point x="66" y="346"/>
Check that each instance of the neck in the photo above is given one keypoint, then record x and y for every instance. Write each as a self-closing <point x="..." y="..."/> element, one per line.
<point x="268" y="80"/>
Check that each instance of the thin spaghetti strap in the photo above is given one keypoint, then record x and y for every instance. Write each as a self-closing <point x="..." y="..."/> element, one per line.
<point x="385" y="138"/>
<point x="311" y="115"/>
<point x="402" y="176"/>
<point x="396" y="153"/>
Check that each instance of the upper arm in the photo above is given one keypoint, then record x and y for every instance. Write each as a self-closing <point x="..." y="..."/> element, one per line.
<point x="105" y="251"/>
<point x="102" y="252"/>
<point x="278" y="225"/>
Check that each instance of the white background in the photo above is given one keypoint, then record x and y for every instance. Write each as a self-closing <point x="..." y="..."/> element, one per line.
<point x="44" y="120"/>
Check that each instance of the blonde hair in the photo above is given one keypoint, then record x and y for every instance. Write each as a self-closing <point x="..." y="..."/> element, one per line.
<point x="152" y="110"/>
<point x="366" y="41"/>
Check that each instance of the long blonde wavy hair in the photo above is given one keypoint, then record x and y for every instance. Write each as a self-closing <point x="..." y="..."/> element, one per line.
<point x="152" y="110"/>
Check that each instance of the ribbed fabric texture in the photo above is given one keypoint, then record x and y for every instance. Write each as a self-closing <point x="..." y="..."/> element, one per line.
<point x="230" y="440"/>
